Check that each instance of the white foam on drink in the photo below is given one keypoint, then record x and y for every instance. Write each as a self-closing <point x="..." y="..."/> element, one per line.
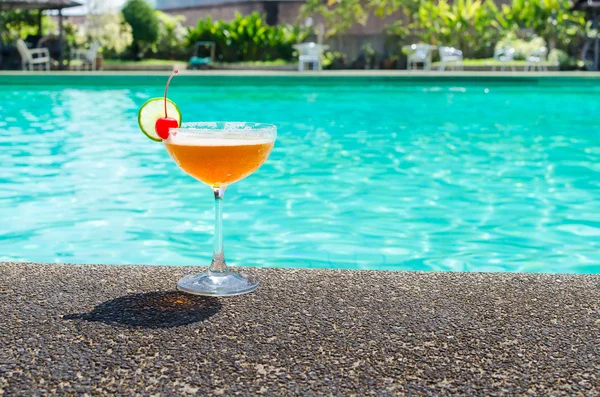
<point x="190" y="140"/>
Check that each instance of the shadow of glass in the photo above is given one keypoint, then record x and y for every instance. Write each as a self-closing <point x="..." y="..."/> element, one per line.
<point x="161" y="309"/>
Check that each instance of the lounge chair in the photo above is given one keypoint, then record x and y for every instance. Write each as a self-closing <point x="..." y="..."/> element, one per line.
<point x="419" y="53"/>
<point x="34" y="57"/>
<point x="452" y="57"/>
<point x="310" y="53"/>
<point x="504" y="56"/>
<point x="85" y="57"/>
<point x="196" y="61"/>
<point x="536" y="59"/>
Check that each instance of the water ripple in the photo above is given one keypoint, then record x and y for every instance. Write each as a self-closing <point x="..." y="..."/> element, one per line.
<point x="394" y="176"/>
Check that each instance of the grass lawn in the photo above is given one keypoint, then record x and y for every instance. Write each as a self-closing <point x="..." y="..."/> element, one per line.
<point x="144" y="62"/>
<point x="493" y="62"/>
<point x="277" y="62"/>
<point x="163" y="62"/>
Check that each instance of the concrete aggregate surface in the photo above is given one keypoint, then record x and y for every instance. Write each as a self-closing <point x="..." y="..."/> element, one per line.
<point x="124" y="330"/>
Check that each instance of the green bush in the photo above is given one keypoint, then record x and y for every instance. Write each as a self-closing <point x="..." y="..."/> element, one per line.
<point x="334" y="60"/>
<point x="246" y="38"/>
<point x="562" y="59"/>
<point x="553" y="20"/>
<point x="474" y="26"/>
<point x="171" y="42"/>
<point x="109" y="30"/>
<point x="21" y="23"/>
<point x="465" y="24"/>
<point x="144" y="25"/>
<point x="522" y="47"/>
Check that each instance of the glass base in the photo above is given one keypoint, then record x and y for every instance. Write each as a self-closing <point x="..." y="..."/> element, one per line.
<point x="217" y="284"/>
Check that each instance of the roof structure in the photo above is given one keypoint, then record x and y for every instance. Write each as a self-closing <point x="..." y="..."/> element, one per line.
<point x="181" y="4"/>
<point x="586" y="4"/>
<point x="37" y="4"/>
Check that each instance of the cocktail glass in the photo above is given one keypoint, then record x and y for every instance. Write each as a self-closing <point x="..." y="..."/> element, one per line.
<point x="219" y="154"/>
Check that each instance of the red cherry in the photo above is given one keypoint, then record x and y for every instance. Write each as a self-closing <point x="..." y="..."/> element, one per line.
<point x="163" y="125"/>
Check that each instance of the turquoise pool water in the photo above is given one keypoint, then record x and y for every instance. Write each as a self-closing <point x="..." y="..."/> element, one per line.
<point x="370" y="174"/>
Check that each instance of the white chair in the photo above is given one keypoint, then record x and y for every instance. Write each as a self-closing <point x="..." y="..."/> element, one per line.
<point x="34" y="57"/>
<point x="419" y="53"/>
<point x="536" y="59"/>
<point x="85" y="57"/>
<point x="504" y="56"/>
<point x="310" y="53"/>
<point x="452" y="57"/>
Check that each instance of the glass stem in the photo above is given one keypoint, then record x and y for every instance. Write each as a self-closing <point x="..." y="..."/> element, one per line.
<point x="218" y="261"/>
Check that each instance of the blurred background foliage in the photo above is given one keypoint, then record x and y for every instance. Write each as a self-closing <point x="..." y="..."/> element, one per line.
<point x="474" y="26"/>
<point x="247" y="38"/>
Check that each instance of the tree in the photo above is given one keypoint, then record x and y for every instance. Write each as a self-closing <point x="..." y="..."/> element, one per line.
<point x="144" y="25"/>
<point x="471" y="25"/>
<point x="340" y="15"/>
<point x="19" y="24"/>
<point x="553" y="20"/>
<point x="171" y="38"/>
<point x="110" y="30"/>
<point x="96" y="7"/>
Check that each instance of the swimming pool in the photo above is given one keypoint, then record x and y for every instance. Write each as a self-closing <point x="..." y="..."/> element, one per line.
<point x="404" y="174"/>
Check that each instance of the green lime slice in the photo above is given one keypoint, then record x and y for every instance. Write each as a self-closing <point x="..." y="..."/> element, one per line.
<point x="153" y="110"/>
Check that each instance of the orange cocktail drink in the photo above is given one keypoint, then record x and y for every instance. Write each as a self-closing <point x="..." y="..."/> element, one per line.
<point x="218" y="161"/>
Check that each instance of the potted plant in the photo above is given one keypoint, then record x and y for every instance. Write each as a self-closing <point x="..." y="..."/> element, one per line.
<point x="99" y="60"/>
<point x="395" y="36"/>
<point x="389" y="61"/>
<point x="370" y="56"/>
<point x="334" y="60"/>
